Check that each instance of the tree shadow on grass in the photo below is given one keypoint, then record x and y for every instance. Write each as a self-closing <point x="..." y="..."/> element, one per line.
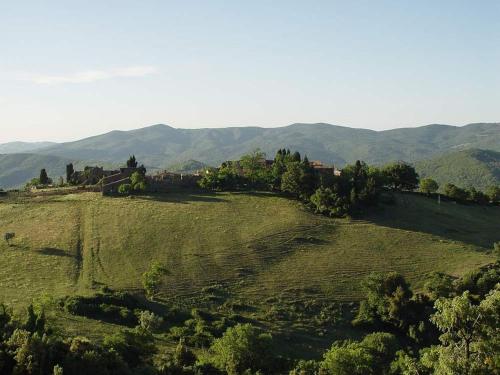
<point x="260" y="194"/>
<point x="54" y="252"/>
<point x="472" y="224"/>
<point x="183" y="198"/>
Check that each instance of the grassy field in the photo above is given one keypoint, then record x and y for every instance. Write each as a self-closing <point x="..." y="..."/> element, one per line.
<point x="263" y="251"/>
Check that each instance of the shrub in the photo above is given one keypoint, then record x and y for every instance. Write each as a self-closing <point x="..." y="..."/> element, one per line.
<point x="456" y="193"/>
<point x="151" y="279"/>
<point x="241" y="347"/>
<point x="428" y="186"/>
<point x="149" y="322"/>
<point x="124" y="189"/>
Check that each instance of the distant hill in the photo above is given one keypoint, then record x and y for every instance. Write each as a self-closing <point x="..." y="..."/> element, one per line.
<point x="17" y="169"/>
<point x="160" y="145"/>
<point x="23" y="147"/>
<point x="477" y="168"/>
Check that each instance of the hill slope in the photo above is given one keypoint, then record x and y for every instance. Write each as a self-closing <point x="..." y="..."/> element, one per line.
<point x="259" y="245"/>
<point x="23" y="147"/>
<point x="468" y="168"/>
<point x="160" y="145"/>
<point x="17" y="169"/>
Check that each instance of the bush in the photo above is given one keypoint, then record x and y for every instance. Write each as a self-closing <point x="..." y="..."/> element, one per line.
<point x="326" y="201"/>
<point x="428" y="186"/>
<point x="149" y="322"/>
<point x="456" y="193"/>
<point x="124" y="189"/>
<point x="241" y="347"/>
<point x="493" y="193"/>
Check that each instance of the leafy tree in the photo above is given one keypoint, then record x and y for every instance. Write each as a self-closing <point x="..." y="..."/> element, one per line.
<point x="183" y="356"/>
<point x="477" y="196"/>
<point x="138" y="182"/>
<point x="401" y="176"/>
<point x="279" y="167"/>
<point x="240" y="348"/>
<point x="493" y="193"/>
<point x="132" y="346"/>
<point x="467" y="331"/>
<point x="304" y="367"/>
<point x="124" y="189"/>
<point x="428" y="186"/>
<point x="347" y="359"/>
<point x="295" y="157"/>
<point x="388" y="300"/>
<point x="149" y="322"/>
<point x="456" y="193"/>
<point x="132" y="162"/>
<point x="152" y="279"/>
<point x="328" y="201"/>
<point x="44" y="179"/>
<point x="292" y="178"/>
<point x="439" y="285"/>
<point x="254" y="168"/>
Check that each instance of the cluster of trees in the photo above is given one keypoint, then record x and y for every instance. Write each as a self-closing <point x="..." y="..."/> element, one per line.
<point x="492" y="194"/>
<point x="42" y="180"/>
<point x="450" y="327"/>
<point x="336" y="195"/>
<point x="472" y="195"/>
<point x="356" y="187"/>
<point x="138" y="181"/>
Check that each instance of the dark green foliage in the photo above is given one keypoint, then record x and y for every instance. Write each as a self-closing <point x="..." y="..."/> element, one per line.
<point x="439" y="285"/>
<point x="253" y="167"/>
<point x="124" y="189"/>
<point x="292" y="178"/>
<point x="493" y="193"/>
<point x="303" y="367"/>
<point x="388" y="301"/>
<point x="69" y="172"/>
<point x="455" y="193"/>
<point x="138" y="182"/>
<point x="132" y="162"/>
<point x="118" y="308"/>
<point x="481" y="281"/>
<point x="328" y="201"/>
<point x="152" y="279"/>
<point x="428" y="186"/>
<point x="35" y="322"/>
<point x="133" y="347"/>
<point x="240" y="348"/>
<point x="477" y="196"/>
<point x="468" y="168"/>
<point x="401" y="176"/>
<point x="44" y="179"/>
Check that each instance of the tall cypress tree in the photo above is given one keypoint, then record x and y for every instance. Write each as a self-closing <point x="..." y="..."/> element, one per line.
<point x="69" y="172"/>
<point x="44" y="179"/>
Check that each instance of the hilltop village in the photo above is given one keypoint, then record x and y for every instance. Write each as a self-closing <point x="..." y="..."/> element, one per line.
<point x="108" y="181"/>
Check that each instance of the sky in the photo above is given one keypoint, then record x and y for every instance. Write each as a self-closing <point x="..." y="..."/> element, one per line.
<point x="72" y="69"/>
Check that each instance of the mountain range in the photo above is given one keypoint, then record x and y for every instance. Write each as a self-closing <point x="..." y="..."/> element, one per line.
<point x="162" y="146"/>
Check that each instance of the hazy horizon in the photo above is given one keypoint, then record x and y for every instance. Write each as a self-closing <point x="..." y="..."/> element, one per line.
<point x="70" y="71"/>
<point x="237" y="126"/>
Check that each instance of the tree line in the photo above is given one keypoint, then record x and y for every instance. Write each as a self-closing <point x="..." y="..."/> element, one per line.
<point x="358" y="186"/>
<point x="451" y="326"/>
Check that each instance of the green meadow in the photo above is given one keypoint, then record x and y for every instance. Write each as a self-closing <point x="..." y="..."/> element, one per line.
<point x="257" y="256"/>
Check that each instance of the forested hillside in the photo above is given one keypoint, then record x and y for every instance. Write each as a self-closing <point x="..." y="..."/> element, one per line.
<point x="469" y="168"/>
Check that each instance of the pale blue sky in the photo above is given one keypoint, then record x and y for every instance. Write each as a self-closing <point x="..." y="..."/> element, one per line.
<point x="70" y="69"/>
